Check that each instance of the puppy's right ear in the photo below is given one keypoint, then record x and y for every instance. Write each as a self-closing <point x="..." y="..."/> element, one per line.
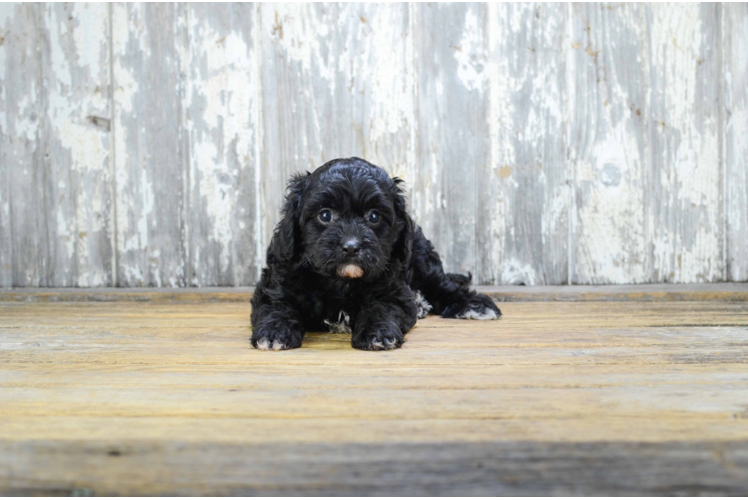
<point x="404" y="244"/>
<point x="285" y="245"/>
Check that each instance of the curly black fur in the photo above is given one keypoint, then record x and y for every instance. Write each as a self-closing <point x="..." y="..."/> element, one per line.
<point x="370" y="275"/>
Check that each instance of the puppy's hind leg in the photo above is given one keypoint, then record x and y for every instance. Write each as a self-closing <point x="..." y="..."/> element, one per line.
<point x="448" y="294"/>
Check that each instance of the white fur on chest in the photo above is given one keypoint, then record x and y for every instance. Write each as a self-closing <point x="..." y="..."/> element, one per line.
<point x="343" y="324"/>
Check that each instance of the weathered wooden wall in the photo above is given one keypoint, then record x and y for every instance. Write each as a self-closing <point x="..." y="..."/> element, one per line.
<point x="149" y="144"/>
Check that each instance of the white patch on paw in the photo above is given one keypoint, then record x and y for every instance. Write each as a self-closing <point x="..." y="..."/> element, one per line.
<point x="375" y="343"/>
<point x="266" y="345"/>
<point x="391" y="344"/>
<point x="483" y="315"/>
<point x="342" y="326"/>
<point x="384" y="345"/>
<point x="423" y="306"/>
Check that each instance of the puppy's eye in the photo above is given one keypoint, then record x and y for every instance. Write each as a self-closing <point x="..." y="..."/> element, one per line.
<point x="325" y="216"/>
<point x="374" y="217"/>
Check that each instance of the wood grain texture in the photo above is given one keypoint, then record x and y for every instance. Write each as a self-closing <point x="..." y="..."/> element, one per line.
<point x="608" y="143"/>
<point x="735" y="64"/>
<point x="78" y="204"/>
<point x="685" y="178"/>
<point x="524" y="221"/>
<point x="110" y="468"/>
<point x="452" y="73"/>
<point x="10" y="141"/>
<point x="571" y="398"/>
<point x="220" y="113"/>
<point x="24" y="218"/>
<point x="55" y="223"/>
<point x="150" y="145"/>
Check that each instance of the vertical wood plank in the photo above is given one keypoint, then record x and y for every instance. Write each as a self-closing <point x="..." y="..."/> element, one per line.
<point x="302" y="127"/>
<point x="7" y="24"/>
<point x="58" y="194"/>
<point x="220" y="103"/>
<point x="379" y="82"/>
<point x="685" y="184"/>
<point x="608" y="143"/>
<point x="75" y="53"/>
<point x="149" y="150"/>
<point x="453" y="131"/>
<point x="23" y="151"/>
<point x="336" y="82"/>
<point x="735" y="60"/>
<point x="523" y="213"/>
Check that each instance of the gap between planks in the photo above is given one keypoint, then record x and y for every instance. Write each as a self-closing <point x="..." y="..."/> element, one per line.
<point x="728" y="292"/>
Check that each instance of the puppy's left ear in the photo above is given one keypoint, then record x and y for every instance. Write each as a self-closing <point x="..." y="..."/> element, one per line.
<point x="285" y="243"/>
<point x="404" y="243"/>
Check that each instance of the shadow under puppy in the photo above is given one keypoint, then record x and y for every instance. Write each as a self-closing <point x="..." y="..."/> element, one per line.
<point x="346" y="257"/>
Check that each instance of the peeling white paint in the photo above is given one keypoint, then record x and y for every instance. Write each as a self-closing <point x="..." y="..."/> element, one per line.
<point x="221" y="100"/>
<point x="78" y="148"/>
<point x="514" y="272"/>
<point x="3" y="56"/>
<point x="498" y="103"/>
<point x="59" y="64"/>
<point x="8" y="11"/>
<point x="300" y="34"/>
<point x="270" y="96"/>
<point x="471" y="54"/>
<point x="126" y="87"/>
<point x="261" y="231"/>
<point x="64" y="233"/>
<point x="688" y="247"/>
<point x="26" y="126"/>
<point x="735" y="66"/>
<point x="391" y="98"/>
<point x="225" y="104"/>
<point x="613" y="215"/>
<point x="90" y="41"/>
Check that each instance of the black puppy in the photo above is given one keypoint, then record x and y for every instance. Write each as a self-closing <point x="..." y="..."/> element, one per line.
<point x="346" y="257"/>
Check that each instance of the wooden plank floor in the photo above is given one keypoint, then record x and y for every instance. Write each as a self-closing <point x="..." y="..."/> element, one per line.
<point x="126" y="398"/>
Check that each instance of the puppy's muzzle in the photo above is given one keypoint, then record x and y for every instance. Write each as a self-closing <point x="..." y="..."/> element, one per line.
<point x="351" y="247"/>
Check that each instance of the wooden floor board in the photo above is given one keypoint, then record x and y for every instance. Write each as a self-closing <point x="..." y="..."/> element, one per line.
<point x="167" y="397"/>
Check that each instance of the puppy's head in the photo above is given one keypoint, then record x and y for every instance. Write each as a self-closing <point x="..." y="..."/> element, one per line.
<point x="347" y="219"/>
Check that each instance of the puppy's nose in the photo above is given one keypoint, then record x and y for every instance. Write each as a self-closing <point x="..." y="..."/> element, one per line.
<point x="351" y="246"/>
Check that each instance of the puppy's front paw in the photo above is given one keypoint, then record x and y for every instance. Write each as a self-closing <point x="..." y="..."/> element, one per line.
<point x="478" y="306"/>
<point x="276" y="337"/>
<point x="381" y="339"/>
